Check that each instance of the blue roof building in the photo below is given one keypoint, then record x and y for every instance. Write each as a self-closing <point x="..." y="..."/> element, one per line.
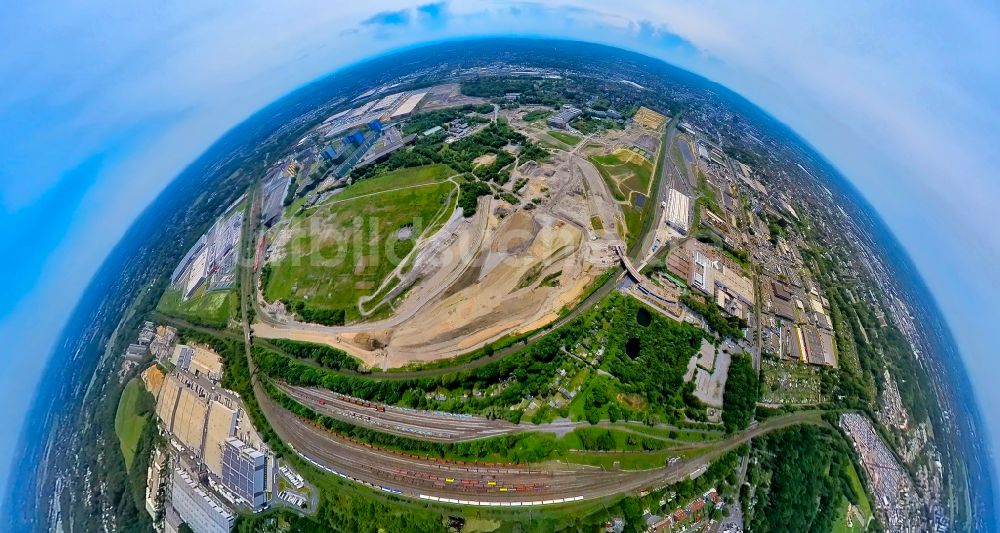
<point x="375" y="125"/>
<point x="243" y="471"/>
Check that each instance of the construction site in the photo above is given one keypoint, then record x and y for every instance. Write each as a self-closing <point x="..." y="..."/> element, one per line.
<point x="509" y="269"/>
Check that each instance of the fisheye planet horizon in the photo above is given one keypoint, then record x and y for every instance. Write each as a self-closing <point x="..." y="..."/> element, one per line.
<point x="499" y="266"/>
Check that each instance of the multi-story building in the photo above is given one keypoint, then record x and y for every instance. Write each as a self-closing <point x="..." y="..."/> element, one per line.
<point x="197" y="508"/>
<point x="244" y="471"/>
<point x="564" y="117"/>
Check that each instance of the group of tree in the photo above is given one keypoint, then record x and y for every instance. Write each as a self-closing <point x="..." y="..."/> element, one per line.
<point x="726" y="326"/>
<point x="315" y="315"/>
<point x="462" y="154"/>
<point x="468" y="196"/>
<point x="549" y="92"/>
<point x="469" y="113"/>
<point x="741" y="394"/>
<point x="326" y="356"/>
<point x="662" y="349"/>
<point x="800" y="479"/>
<point x="524" y="373"/>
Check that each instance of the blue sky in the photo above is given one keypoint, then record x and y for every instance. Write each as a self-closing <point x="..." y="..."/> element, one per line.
<point x="104" y="102"/>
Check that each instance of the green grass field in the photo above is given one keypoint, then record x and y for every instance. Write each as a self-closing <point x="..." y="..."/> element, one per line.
<point x="626" y="176"/>
<point x="841" y="524"/>
<point x="595" y="222"/>
<point x="537" y="115"/>
<point x="209" y="308"/>
<point x="128" y="424"/>
<point x="565" y="138"/>
<point x="344" y="248"/>
<point x="406" y="177"/>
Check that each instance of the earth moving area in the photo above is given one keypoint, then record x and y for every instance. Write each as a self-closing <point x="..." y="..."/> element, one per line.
<point x="509" y="269"/>
<point x="488" y="279"/>
<point x="620" y="158"/>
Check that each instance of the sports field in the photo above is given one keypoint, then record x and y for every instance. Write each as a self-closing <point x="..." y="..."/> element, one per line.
<point x="128" y="423"/>
<point x="345" y="247"/>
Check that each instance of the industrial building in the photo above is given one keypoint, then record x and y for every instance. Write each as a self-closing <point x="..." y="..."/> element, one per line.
<point x="205" y="363"/>
<point x="408" y="106"/>
<point x="155" y="483"/>
<point x="197" y="274"/>
<point x="356" y="138"/>
<point x="163" y="342"/>
<point x="136" y="352"/>
<point x="244" y="471"/>
<point x="566" y="115"/>
<point x="818" y="345"/>
<point x="329" y="153"/>
<point x="182" y="356"/>
<point x="183" y="405"/>
<point x="201" y="511"/>
<point x="363" y="109"/>
<point x="275" y="191"/>
<point x="386" y="102"/>
<point x="175" y="277"/>
<point x="188" y="424"/>
<point x="220" y="426"/>
<point x="678" y="211"/>
<point x="391" y="143"/>
<point x="211" y="262"/>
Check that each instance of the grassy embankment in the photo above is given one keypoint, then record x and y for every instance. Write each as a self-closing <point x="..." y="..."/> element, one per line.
<point x="212" y="309"/>
<point x="128" y="421"/>
<point x="566" y="138"/>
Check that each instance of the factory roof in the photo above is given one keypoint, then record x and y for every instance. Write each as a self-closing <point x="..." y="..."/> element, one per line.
<point x="408" y="105"/>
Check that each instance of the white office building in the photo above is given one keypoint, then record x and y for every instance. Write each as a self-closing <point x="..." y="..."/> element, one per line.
<point x="196" y="507"/>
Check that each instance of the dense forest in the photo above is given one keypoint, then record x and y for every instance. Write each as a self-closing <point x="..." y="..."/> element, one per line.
<point x="647" y="353"/>
<point x="799" y="478"/>
<point x="741" y="394"/>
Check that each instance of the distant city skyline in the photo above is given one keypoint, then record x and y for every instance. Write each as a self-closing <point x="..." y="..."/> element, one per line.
<point x="109" y="108"/>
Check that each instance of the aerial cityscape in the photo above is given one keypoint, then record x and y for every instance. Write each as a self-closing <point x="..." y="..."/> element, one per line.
<point x="506" y="285"/>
